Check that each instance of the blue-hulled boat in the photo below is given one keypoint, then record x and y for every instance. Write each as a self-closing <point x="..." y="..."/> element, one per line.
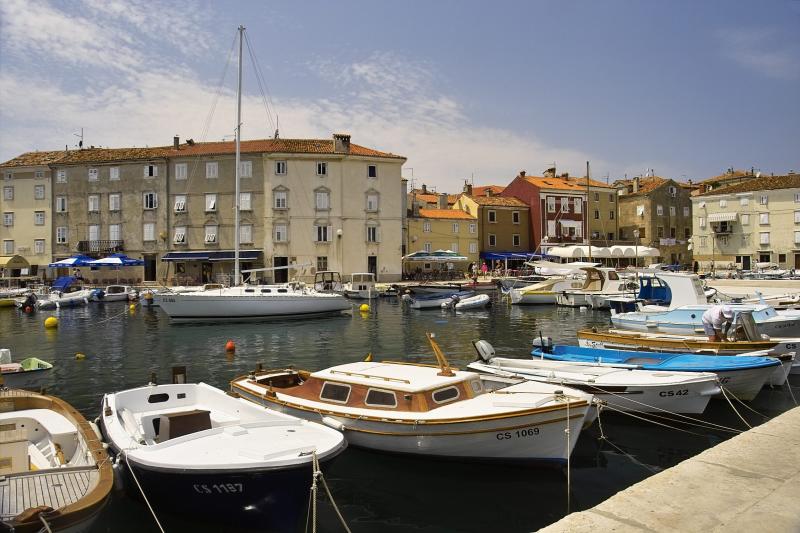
<point x="742" y="376"/>
<point x="426" y="301"/>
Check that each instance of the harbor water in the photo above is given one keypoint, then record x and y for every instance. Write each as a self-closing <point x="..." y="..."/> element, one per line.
<point x="374" y="492"/>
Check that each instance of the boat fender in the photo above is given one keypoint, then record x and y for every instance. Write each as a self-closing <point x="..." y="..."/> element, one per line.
<point x="333" y="423"/>
<point x="485" y="350"/>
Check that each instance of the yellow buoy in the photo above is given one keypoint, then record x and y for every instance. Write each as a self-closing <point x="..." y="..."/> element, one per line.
<point x="80" y="356"/>
<point x="132" y="307"/>
<point x="51" y="322"/>
<point x="364" y="308"/>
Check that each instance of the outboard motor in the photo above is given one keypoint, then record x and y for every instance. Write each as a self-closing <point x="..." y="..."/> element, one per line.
<point x="98" y="294"/>
<point x="543" y="343"/>
<point x="30" y="301"/>
<point x="485" y="350"/>
<point x="745" y="321"/>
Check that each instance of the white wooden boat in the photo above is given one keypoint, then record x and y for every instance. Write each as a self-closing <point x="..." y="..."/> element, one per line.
<point x="544" y="292"/>
<point x="421" y="409"/>
<point x="477" y="301"/>
<point x="54" y="473"/>
<point x="31" y="373"/>
<point x="622" y="389"/>
<point x="361" y="286"/>
<point x="197" y="450"/>
<point x="115" y="293"/>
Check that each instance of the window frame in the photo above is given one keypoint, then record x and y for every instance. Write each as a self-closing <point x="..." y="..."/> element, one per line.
<point x="62" y="237"/>
<point x="179" y="230"/>
<point x="382" y="405"/>
<point x="335" y="384"/>
<point x="96" y="202"/>
<point x="281" y="167"/>
<point x="150" y="170"/>
<point x="322" y="168"/>
<point x="515" y="217"/>
<point x="276" y="228"/>
<point x="210" y="206"/>
<point x="207" y="233"/>
<point x="245" y="169"/>
<point x="145" y="226"/>
<point x="248" y="240"/>
<point x="447" y="400"/>
<point x="154" y="203"/>
<point x="249" y="196"/>
<point x="212" y="170"/>
<point x="181" y="171"/>
<point x="37" y="217"/>
<point x="491" y="216"/>
<point x="372" y="171"/>
<point x="491" y="240"/>
<point x="36" y="243"/>
<point x="36" y="189"/>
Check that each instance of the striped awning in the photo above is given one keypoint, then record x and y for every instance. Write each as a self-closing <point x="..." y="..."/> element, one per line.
<point x="571" y="223"/>
<point x="721" y="217"/>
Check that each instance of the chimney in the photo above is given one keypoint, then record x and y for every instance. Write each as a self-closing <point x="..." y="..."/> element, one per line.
<point x="488" y="191"/>
<point x="690" y="182"/>
<point x="636" y="184"/>
<point x="468" y="189"/>
<point x="442" y="201"/>
<point x="550" y="173"/>
<point x="521" y="173"/>
<point x="176" y="142"/>
<point x="424" y="189"/>
<point x="415" y="209"/>
<point x="341" y="143"/>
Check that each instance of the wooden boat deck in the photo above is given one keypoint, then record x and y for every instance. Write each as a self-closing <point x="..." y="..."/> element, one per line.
<point x="53" y="488"/>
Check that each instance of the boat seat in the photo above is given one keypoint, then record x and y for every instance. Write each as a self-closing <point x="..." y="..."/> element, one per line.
<point x="54" y="423"/>
<point x="642" y="361"/>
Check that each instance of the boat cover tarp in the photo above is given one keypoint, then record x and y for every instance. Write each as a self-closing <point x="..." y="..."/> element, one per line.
<point x="63" y="282"/>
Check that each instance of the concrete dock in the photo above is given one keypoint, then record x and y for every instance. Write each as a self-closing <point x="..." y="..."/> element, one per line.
<point x="748" y="483"/>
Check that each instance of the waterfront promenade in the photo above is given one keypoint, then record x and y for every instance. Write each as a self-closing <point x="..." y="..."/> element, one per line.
<point x="748" y="483"/>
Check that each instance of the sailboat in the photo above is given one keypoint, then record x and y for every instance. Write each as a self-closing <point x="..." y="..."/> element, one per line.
<point x="243" y="301"/>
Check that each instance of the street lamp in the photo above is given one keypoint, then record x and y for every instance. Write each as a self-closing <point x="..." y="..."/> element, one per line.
<point x="636" y="247"/>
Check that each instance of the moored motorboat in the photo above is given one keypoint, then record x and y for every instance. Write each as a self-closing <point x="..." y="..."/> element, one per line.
<point x="55" y="474"/>
<point x="30" y="373"/>
<point x="66" y="291"/>
<point x="600" y="283"/>
<point x="194" y="449"/>
<point x="543" y="292"/>
<point x="621" y="389"/>
<point x="740" y="376"/>
<point x="115" y="293"/>
<point x="477" y="301"/>
<point x="361" y="286"/>
<point x="428" y="410"/>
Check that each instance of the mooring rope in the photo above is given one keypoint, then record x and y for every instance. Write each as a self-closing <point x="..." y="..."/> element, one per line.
<point x="569" y="480"/>
<point x="604" y="438"/>
<point x="46" y="525"/>
<point x="141" y="490"/>
<point x="316" y="474"/>
<point x="725" y="395"/>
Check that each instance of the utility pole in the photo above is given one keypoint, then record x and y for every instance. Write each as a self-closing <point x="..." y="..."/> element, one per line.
<point x="588" y="231"/>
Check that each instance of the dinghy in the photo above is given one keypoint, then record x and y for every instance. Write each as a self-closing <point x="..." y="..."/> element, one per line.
<point x="477" y="301"/>
<point x="741" y="376"/>
<point x="54" y="473"/>
<point x="30" y="373"/>
<point x="433" y="300"/>
<point x="115" y="293"/>
<point x="428" y="410"/>
<point x="194" y="449"/>
<point x="622" y="389"/>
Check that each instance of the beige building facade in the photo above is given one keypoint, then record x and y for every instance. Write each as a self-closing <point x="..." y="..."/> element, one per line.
<point x="443" y="229"/>
<point x="503" y="224"/>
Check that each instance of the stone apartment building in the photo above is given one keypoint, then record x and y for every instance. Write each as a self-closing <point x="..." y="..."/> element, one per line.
<point x="752" y="221"/>
<point x="660" y="210"/>
<point x="503" y="224"/>
<point x="444" y="229"/>
<point x="26" y="209"/>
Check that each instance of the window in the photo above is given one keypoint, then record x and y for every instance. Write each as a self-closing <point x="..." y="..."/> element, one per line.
<point x="94" y="232"/>
<point x="180" y="203"/>
<point x="322" y="233"/>
<point x="687" y="232"/>
<point x="640" y="210"/>
<point x="322" y="200"/>
<point x="723" y="203"/>
<point x="38" y="192"/>
<point x="426" y="227"/>
<point x="473" y="247"/>
<point x="659" y="232"/>
<point x="148" y="231"/>
<point x="596" y="214"/>
<point x="180" y="235"/>
<point x="764" y="199"/>
<point x="322" y="169"/>
<point x="565" y="205"/>
<point x="322" y="263"/>
<point x="597" y="197"/>
<point x="672" y="233"/>
<point x="745" y="239"/>
<point x="211" y="202"/>
<point x="763" y="218"/>
<point x="797" y="217"/>
<point x="244" y="201"/>
<point x="473" y="228"/>
<point x="642" y="233"/>
<point x="672" y="210"/>
<point x="61" y="204"/>
<point x="150" y="170"/>
<point x="93" y="173"/>
<point x="427" y="247"/>
<point x="447" y="394"/>
<point x="797" y="197"/>
<point x="8" y="219"/>
<point x="8" y="247"/>
<point x="686" y="211"/>
<point x="335" y="392"/>
<point x="551" y="204"/>
<point x="181" y="171"/>
<point x="764" y="258"/>
<point x="212" y="170"/>
<point x="8" y="193"/>
<point x="491" y="216"/>
<point x="797" y="237"/>
<point x="764" y="237"/>
<point x="280" y="234"/>
<point x="380" y="398"/>
<point x="515" y="217"/>
<point x="701" y="221"/>
<point x="611" y="215"/>
<point x="673" y="191"/>
<point x="115" y="232"/>
<point x="246" y="233"/>
<point x="61" y="176"/>
<point x="492" y="240"/>
<point x="744" y="201"/>
<point x="455" y="227"/>
<point x="611" y="198"/>
<point x="372" y="202"/>
<point x="281" y="200"/>
<point x="578" y="205"/>
<point x="551" y="228"/>
<point x="703" y="241"/>
<point x="150" y="200"/>
<point x="579" y="231"/>
<point x="61" y="234"/>
<point x="454" y="247"/>
<point x="245" y="169"/>
<point x="515" y="239"/>
<point x="280" y="168"/>
<point x="781" y="258"/>
<point x="745" y="218"/>
<point x="38" y="246"/>
<point x="211" y="234"/>
<point x="94" y="203"/>
<point x="660" y="210"/>
<point x="372" y="171"/>
<point x="372" y="233"/>
<point x="39" y="174"/>
<point x="38" y="218"/>
<point x="9" y="175"/>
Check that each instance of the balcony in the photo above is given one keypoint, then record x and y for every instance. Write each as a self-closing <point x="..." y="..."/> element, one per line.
<point x="722" y="228"/>
<point x="100" y="247"/>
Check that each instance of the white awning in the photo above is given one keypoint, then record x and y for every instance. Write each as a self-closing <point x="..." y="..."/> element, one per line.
<point x="721" y="217"/>
<point x="571" y="223"/>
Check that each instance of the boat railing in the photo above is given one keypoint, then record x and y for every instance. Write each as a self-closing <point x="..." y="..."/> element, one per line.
<point x="370" y="376"/>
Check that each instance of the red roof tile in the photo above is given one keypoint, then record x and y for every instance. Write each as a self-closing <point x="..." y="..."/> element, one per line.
<point x="764" y="183"/>
<point x="34" y="159"/>
<point x="500" y="201"/>
<point x="454" y="214"/>
<point x="281" y="146"/>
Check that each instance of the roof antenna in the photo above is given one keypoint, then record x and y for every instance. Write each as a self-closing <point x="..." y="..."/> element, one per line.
<point x="80" y="143"/>
<point x="277" y="125"/>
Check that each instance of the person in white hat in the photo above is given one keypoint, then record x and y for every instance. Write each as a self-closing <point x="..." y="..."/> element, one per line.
<point x="717" y="321"/>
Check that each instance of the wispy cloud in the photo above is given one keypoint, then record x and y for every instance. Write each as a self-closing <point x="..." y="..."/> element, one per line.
<point x="763" y="51"/>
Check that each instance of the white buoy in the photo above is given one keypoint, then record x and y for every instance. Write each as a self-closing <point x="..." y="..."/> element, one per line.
<point x="583" y="309"/>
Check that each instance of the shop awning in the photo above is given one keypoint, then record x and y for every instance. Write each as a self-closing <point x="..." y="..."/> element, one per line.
<point x="722" y="217"/>
<point x="212" y="255"/>
<point x="13" y="262"/>
<point x="511" y="256"/>
<point x="571" y="223"/>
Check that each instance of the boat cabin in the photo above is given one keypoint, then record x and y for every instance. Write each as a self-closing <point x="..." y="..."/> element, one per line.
<point x="328" y="281"/>
<point x="362" y="281"/>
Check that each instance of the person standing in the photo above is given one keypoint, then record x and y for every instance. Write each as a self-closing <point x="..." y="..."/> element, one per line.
<point x="717" y="321"/>
<point x="484" y="269"/>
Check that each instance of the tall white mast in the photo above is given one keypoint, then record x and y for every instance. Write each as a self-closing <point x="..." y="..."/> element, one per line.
<point x="236" y="266"/>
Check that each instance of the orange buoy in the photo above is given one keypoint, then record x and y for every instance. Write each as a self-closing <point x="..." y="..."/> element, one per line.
<point x="230" y="346"/>
<point x="28" y="309"/>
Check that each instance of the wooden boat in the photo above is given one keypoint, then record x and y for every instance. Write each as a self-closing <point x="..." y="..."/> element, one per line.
<point x="54" y="472"/>
<point x="30" y="373"/>
<point x="197" y="450"/>
<point x="428" y="410"/>
<point x="622" y="389"/>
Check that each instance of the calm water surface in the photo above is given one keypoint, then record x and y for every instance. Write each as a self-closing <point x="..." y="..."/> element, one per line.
<point x="375" y="492"/>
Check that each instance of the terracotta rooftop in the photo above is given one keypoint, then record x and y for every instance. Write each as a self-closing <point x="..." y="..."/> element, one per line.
<point x="453" y="214"/>
<point x="764" y="183"/>
<point x="433" y="198"/>
<point x="646" y="185"/>
<point x="481" y="190"/>
<point x="500" y="201"/>
<point x="592" y="183"/>
<point x="34" y="158"/>
<point x="280" y="146"/>
<point x="102" y="155"/>
<point x="558" y="183"/>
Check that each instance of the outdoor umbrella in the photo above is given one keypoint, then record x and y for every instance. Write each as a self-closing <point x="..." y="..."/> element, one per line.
<point x="74" y="261"/>
<point x="115" y="261"/>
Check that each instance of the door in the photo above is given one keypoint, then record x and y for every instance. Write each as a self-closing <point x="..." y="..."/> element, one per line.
<point x="149" y="267"/>
<point x="797" y="261"/>
<point x="280" y="275"/>
<point x="746" y="262"/>
<point x="205" y="272"/>
<point x="372" y="264"/>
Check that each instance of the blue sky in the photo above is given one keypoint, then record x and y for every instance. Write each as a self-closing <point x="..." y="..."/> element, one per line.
<point x="460" y="88"/>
